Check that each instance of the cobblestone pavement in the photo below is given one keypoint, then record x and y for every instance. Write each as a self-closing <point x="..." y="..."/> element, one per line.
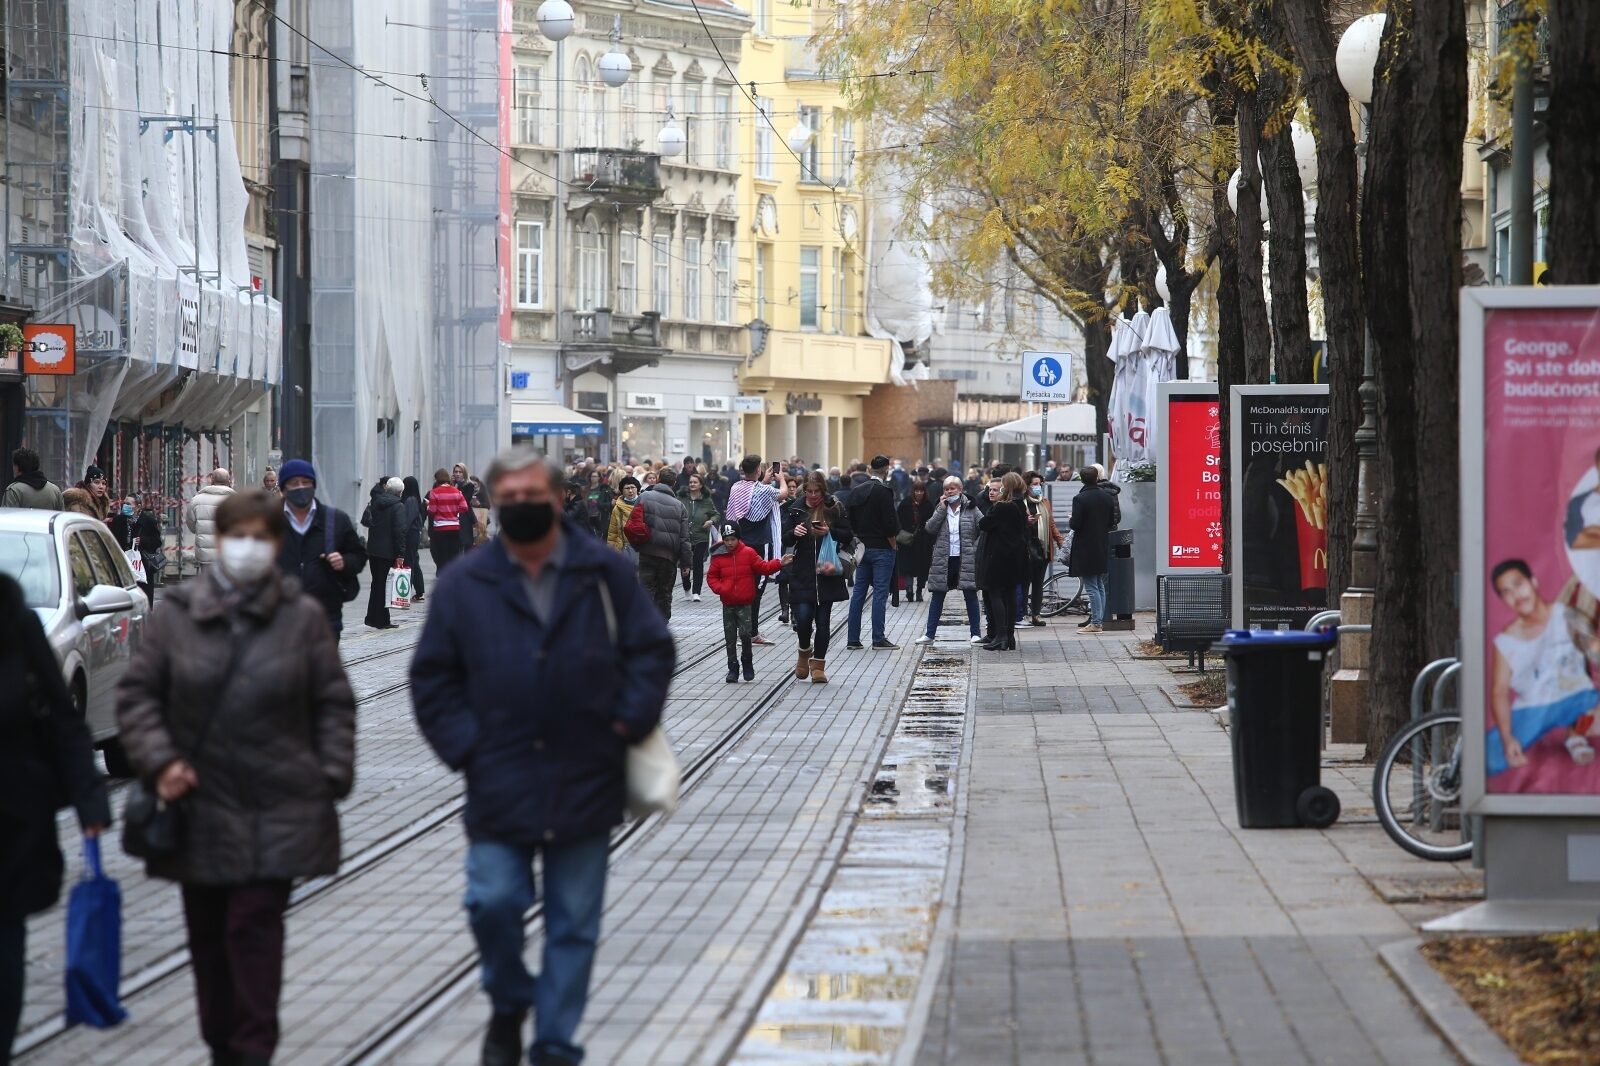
<point x="1011" y="858"/>
<point x="1111" y="911"/>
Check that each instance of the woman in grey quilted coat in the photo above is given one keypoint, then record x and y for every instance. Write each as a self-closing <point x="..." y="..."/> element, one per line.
<point x="953" y="529"/>
<point x="237" y="709"/>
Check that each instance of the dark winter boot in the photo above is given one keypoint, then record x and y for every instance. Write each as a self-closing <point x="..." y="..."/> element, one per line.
<point x="749" y="661"/>
<point x="502" y="1043"/>
<point x="733" y="664"/>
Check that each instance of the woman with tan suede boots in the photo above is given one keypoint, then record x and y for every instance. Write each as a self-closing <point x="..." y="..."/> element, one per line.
<point x="816" y="531"/>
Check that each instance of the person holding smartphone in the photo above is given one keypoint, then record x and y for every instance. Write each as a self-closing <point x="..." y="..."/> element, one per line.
<point x="753" y="507"/>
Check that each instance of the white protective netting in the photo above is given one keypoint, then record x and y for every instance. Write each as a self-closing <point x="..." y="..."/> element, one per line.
<point x="406" y="216"/>
<point x="158" y="249"/>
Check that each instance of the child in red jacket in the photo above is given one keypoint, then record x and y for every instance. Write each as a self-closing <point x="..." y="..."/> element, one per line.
<point x="735" y="569"/>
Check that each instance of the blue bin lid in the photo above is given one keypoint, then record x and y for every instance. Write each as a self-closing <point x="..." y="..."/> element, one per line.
<point x="1273" y="639"/>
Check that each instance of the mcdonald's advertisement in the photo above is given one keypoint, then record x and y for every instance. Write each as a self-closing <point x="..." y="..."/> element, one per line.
<point x="1279" y="474"/>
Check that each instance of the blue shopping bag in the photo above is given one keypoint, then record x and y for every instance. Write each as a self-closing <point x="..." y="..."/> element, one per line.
<point x="828" y="555"/>
<point x="94" y="945"/>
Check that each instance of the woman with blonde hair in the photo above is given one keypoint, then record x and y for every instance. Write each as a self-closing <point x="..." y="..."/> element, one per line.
<point x="1005" y="530"/>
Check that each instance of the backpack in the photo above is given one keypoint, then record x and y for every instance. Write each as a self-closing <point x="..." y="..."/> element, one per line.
<point x="348" y="580"/>
<point x="635" y="530"/>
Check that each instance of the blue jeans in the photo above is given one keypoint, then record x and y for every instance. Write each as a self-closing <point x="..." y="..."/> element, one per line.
<point x="936" y="605"/>
<point x="876" y="569"/>
<point x="1095" y="586"/>
<point x="500" y="890"/>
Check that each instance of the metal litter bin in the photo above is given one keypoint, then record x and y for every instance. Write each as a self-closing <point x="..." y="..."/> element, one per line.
<point x="1119" y="579"/>
<point x="1275" y="723"/>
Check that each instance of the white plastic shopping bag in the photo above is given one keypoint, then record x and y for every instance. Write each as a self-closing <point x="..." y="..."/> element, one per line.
<point x="400" y="588"/>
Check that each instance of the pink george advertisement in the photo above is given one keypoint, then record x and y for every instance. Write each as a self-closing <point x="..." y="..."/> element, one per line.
<point x="1542" y="548"/>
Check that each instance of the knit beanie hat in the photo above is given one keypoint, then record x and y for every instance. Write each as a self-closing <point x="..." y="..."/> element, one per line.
<point x="296" y="468"/>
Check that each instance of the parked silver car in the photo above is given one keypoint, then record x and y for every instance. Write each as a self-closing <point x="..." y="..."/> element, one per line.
<point x="77" y="579"/>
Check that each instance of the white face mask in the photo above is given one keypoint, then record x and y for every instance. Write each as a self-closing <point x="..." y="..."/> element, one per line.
<point x="245" y="559"/>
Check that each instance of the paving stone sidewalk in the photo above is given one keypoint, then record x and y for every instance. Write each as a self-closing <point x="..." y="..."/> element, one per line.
<point x="1111" y="910"/>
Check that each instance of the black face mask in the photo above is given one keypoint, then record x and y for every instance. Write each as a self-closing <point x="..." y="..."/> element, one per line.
<point x="300" y="496"/>
<point x="525" y="523"/>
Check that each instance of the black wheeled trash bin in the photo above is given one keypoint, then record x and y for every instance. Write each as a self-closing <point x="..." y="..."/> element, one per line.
<point x="1275" y="722"/>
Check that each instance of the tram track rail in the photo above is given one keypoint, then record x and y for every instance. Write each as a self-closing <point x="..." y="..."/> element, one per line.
<point x="414" y="1017"/>
<point x="172" y="963"/>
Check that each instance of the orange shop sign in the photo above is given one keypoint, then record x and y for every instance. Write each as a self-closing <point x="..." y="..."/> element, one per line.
<point x="49" y="348"/>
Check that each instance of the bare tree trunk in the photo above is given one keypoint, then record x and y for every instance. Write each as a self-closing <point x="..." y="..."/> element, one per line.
<point x="1230" y="323"/>
<point x="1307" y="27"/>
<point x="1100" y="371"/>
<point x="1574" y="124"/>
<point x="1247" y="217"/>
<point x="1438" y="118"/>
<point x="1396" y="650"/>
<point x="1286" y="240"/>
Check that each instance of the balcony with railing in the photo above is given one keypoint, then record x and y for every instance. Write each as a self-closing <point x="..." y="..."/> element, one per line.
<point x="801" y="61"/>
<point x="605" y="340"/>
<point x="616" y="174"/>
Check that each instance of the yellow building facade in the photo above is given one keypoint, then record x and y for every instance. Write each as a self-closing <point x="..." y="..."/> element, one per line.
<point x="802" y="250"/>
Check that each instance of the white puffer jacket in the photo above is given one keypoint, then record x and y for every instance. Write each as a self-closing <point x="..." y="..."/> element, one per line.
<point x="202" y="521"/>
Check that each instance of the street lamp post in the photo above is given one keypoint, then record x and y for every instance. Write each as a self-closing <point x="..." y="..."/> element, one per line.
<point x="1356" y="61"/>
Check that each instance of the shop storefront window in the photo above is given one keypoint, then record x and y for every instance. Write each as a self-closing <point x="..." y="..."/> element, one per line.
<point x="712" y="439"/>
<point x="643" y="437"/>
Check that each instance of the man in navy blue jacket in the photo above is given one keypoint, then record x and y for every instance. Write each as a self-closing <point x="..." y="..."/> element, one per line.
<point x="518" y="681"/>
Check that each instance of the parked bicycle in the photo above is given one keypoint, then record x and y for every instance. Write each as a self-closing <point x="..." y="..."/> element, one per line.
<point x="1063" y="594"/>
<point x="1416" y="788"/>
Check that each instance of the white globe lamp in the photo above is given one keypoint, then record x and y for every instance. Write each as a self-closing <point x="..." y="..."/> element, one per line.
<point x="614" y="67"/>
<point x="670" y="141"/>
<point x="556" y="20"/>
<point x="1357" y="56"/>
<point x="1305" y="155"/>
<point x="799" y="137"/>
<point x="1233" y="194"/>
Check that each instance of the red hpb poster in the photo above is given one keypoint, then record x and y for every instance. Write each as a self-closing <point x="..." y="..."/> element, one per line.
<point x="1193" y="483"/>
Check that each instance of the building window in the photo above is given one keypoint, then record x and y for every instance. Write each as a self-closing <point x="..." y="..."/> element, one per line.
<point x="692" y="309"/>
<point x="661" y="266"/>
<point x="593" y="266"/>
<point x="691" y="124"/>
<point x="764" y="157"/>
<point x="844" y="147"/>
<point x="763" y="273"/>
<point x="582" y="81"/>
<point x="811" y="155"/>
<point x="530" y="264"/>
<point x="529" y="128"/>
<point x="723" y="106"/>
<point x="630" y="113"/>
<point x="836" y="297"/>
<point x="628" y="271"/>
<point x="810" y="260"/>
<point x="722" y="281"/>
<point x="763" y="14"/>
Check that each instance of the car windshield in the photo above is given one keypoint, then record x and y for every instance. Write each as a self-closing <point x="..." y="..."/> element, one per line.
<point x="30" y="558"/>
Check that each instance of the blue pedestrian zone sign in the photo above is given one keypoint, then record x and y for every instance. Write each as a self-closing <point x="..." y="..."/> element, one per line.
<point x="1047" y="377"/>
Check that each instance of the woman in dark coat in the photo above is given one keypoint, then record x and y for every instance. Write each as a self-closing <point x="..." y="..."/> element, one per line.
<point x="416" y="515"/>
<point x="805" y="522"/>
<point x="236" y="703"/>
<point x="46" y="761"/>
<point x="385" y="520"/>
<point x="1005" y="557"/>
<point x="913" y="560"/>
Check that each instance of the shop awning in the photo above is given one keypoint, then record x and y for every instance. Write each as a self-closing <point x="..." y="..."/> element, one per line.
<point x="1070" y="423"/>
<point x="551" y="419"/>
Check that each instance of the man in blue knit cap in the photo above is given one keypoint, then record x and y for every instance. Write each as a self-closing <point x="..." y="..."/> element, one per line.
<point x="322" y="547"/>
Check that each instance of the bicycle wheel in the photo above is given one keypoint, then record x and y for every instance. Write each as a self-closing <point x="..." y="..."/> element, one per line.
<point x="1416" y="788"/>
<point x="1062" y="593"/>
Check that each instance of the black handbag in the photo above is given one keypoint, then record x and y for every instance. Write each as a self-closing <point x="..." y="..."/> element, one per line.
<point x="152" y="828"/>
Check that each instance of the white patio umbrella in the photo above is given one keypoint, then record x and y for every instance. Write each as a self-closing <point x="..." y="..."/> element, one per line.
<point x="1070" y="423"/>
<point x="1160" y="364"/>
<point x="1125" y="409"/>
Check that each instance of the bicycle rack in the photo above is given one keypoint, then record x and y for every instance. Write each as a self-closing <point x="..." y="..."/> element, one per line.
<point x="1438" y="675"/>
<point x="1318" y="619"/>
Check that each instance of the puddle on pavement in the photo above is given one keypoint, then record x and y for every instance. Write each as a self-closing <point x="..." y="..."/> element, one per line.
<point x="851" y="978"/>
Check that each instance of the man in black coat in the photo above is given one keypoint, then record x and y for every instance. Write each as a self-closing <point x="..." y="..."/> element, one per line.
<point x="1094" y="516"/>
<point x="870" y="507"/>
<point x="327" y="561"/>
